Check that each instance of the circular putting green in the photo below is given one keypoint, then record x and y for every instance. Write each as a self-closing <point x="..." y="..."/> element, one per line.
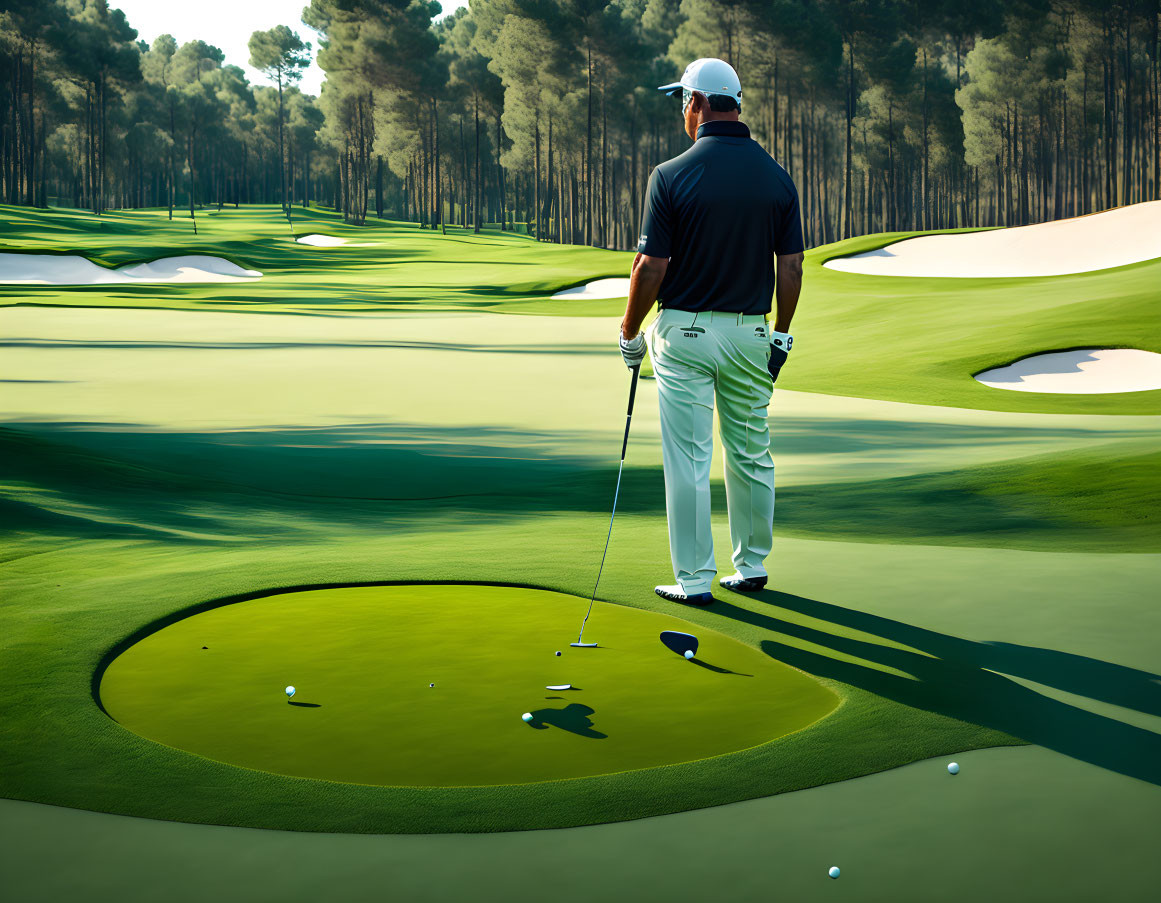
<point x="425" y="685"/>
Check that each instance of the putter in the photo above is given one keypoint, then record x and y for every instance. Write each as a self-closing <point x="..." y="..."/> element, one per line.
<point x="624" y="445"/>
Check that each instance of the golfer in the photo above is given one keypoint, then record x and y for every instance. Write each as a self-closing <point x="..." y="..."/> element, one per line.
<point x="719" y="221"/>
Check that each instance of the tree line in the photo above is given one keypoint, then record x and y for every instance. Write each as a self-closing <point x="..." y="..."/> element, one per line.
<point x="543" y="115"/>
<point x="92" y="117"/>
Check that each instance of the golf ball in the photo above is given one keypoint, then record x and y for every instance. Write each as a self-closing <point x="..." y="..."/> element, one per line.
<point x="953" y="768"/>
<point x="527" y="716"/>
<point x="289" y="692"/>
<point x="431" y="685"/>
<point x="834" y="871"/>
<point x="689" y="654"/>
<point x="558" y="653"/>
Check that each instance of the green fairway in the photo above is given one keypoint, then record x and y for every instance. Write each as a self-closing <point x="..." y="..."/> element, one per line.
<point x="424" y="685"/>
<point x="954" y="577"/>
<point x="352" y="548"/>
<point x="384" y="266"/>
<point x="916" y="340"/>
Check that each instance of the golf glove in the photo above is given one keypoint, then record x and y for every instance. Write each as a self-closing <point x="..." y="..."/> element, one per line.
<point x="633" y="350"/>
<point x="780" y="344"/>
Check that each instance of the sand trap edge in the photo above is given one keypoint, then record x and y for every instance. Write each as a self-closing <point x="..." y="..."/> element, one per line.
<point x="1105" y="374"/>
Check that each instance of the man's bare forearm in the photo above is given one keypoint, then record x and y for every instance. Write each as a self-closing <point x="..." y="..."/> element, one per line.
<point x="787" y="288"/>
<point x="644" y="284"/>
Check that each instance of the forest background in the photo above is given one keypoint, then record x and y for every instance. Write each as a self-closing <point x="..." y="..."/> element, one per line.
<point x="542" y="116"/>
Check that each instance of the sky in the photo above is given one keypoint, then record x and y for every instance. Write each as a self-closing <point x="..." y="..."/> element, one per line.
<point x="228" y="24"/>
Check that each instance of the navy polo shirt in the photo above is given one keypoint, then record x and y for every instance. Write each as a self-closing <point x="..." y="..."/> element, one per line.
<point x="720" y="212"/>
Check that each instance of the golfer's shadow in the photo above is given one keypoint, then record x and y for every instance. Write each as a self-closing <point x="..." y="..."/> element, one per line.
<point x="573" y="718"/>
<point x="957" y="678"/>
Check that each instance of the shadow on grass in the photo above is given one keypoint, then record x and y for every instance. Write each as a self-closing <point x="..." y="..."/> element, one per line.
<point x="967" y="680"/>
<point x="235" y="486"/>
<point x="717" y="669"/>
<point x="1103" y="498"/>
<point x="573" y="718"/>
<point x="140" y="478"/>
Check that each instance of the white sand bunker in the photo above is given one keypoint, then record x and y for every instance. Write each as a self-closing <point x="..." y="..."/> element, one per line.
<point x="71" y="269"/>
<point x="1113" y="238"/>
<point x="1089" y="371"/>
<point x="321" y="241"/>
<point x="601" y="288"/>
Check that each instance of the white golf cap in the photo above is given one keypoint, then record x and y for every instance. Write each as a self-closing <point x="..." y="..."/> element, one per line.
<point x="708" y="76"/>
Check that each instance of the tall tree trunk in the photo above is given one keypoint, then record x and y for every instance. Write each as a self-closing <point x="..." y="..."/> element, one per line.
<point x="30" y="153"/>
<point x="573" y="203"/>
<point x="192" y="177"/>
<point x="588" y="161"/>
<point x="925" y="220"/>
<point x="1156" y="138"/>
<point x="465" y="189"/>
<point x="425" y="178"/>
<point x="1127" y="118"/>
<point x="281" y="146"/>
<point x="438" y="181"/>
<point x="893" y="217"/>
<point x="379" y="186"/>
<point x="500" y="175"/>
<point x="604" y="165"/>
<point x="479" y="185"/>
<point x="548" y="229"/>
<point x="850" y="113"/>
<point x="535" y="224"/>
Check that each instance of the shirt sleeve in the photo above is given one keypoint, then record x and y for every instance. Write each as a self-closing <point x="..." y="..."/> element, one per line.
<point x="788" y="226"/>
<point x="656" y="220"/>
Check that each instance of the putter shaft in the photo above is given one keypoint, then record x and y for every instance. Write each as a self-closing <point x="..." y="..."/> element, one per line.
<point x="616" y="495"/>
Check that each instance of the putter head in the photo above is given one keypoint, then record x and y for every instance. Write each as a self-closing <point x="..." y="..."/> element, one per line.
<point x="583" y="645"/>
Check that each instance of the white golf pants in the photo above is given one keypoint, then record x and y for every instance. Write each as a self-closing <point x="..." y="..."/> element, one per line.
<point x="696" y="358"/>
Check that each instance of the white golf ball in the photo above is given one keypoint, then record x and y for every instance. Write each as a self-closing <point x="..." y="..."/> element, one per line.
<point x="953" y="768"/>
<point x="558" y="653"/>
<point x="689" y="654"/>
<point x="527" y="716"/>
<point x="431" y="685"/>
<point x="289" y="692"/>
<point x="834" y="871"/>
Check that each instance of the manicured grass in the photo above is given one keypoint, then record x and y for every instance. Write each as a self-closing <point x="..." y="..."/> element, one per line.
<point x="157" y="462"/>
<point x="1081" y="834"/>
<point x="1106" y="498"/>
<point x="424" y="685"/>
<point x="1103" y="498"/>
<point x="904" y="339"/>
<point x="385" y="266"/>
<point x="61" y="748"/>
